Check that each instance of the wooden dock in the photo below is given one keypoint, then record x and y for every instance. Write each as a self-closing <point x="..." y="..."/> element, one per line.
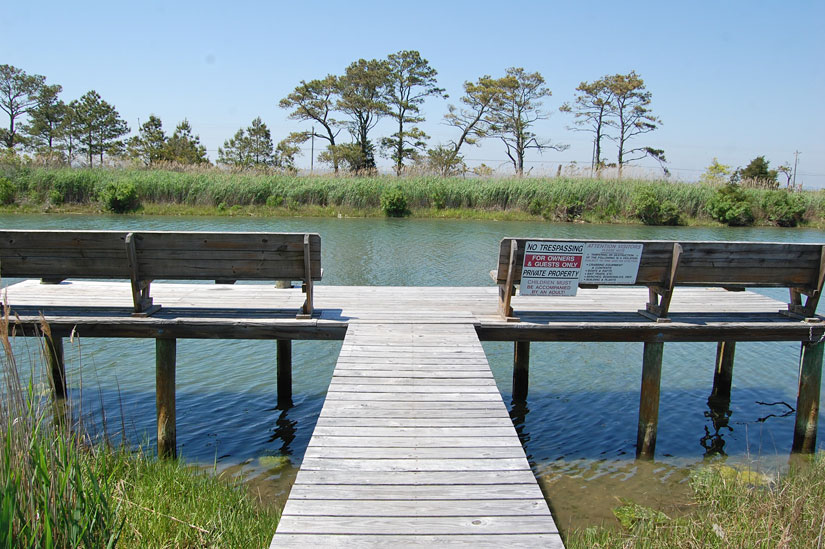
<point x="414" y="447"/>
<point x="414" y="444"/>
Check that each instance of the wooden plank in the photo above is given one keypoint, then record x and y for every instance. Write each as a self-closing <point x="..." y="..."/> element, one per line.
<point x="411" y="508"/>
<point x="419" y="525"/>
<point x="414" y="442"/>
<point x="478" y="452"/>
<point x="415" y="465"/>
<point x="414" y="478"/>
<point x="357" y="541"/>
<point x="413" y="492"/>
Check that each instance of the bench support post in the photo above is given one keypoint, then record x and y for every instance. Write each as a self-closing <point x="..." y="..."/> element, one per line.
<point x="659" y="303"/>
<point x="140" y="288"/>
<point x="165" y="361"/>
<point x="306" y="310"/>
<point x="521" y="370"/>
<point x="807" y="400"/>
<point x="649" y="400"/>
<point x="284" y="359"/>
<point x="505" y="293"/>
<point x="57" y="365"/>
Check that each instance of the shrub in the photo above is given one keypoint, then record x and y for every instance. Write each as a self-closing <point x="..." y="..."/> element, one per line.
<point x="394" y="203"/>
<point x="652" y="210"/>
<point x="55" y="197"/>
<point x="120" y="197"/>
<point x="783" y="209"/>
<point x="730" y="205"/>
<point x="7" y="191"/>
<point x="274" y="201"/>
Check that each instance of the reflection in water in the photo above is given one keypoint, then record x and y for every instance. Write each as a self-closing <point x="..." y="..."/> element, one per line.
<point x="719" y="414"/>
<point x="783" y="413"/>
<point x="284" y="431"/>
<point x="518" y="413"/>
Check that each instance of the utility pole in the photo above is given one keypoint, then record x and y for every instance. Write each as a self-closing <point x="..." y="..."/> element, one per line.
<point x="312" y="151"/>
<point x="795" y="162"/>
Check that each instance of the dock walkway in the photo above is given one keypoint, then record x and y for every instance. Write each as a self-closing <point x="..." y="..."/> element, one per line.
<point x="414" y="447"/>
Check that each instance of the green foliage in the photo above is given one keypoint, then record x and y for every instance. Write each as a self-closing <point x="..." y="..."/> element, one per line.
<point x="731" y="508"/>
<point x="97" y="127"/>
<point x="7" y="191"/>
<point x="716" y="174"/>
<point x="274" y="201"/>
<point x="630" y="515"/>
<point x="731" y="205"/>
<point x="758" y="169"/>
<point x="783" y="208"/>
<point x="120" y="197"/>
<point x="651" y="209"/>
<point x="394" y="203"/>
<point x="411" y="79"/>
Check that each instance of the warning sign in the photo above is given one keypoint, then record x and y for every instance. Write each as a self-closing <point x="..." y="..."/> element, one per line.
<point x="611" y="262"/>
<point x="557" y="268"/>
<point x="551" y="268"/>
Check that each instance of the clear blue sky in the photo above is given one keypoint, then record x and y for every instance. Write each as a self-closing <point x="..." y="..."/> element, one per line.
<point x="732" y="79"/>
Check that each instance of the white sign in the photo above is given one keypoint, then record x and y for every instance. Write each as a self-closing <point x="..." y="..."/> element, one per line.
<point x="557" y="268"/>
<point x="551" y="268"/>
<point x="611" y="263"/>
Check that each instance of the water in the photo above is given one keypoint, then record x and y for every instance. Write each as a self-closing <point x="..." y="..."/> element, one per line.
<point x="579" y="426"/>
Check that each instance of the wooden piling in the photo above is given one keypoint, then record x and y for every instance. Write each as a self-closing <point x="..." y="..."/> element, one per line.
<point x="521" y="370"/>
<point x="57" y="365"/>
<point x="807" y="400"/>
<point x="723" y="375"/>
<point x="284" y="374"/>
<point x="649" y="400"/>
<point x="165" y="359"/>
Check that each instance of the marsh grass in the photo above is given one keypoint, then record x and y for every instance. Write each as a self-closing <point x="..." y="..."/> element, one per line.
<point x="59" y="489"/>
<point x="732" y="509"/>
<point x="563" y="198"/>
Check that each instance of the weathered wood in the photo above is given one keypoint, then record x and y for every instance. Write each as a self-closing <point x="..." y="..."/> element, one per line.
<point x="57" y="365"/>
<point x="145" y="256"/>
<point x="284" y="358"/>
<point x="521" y="370"/>
<point x="165" y="350"/>
<point x="649" y="400"/>
<point x="723" y="374"/>
<point x="363" y="541"/>
<point x="732" y="265"/>
<point x="389" y="428"/>
<point x="506" y="292"/>
<point x="807" y="400"/>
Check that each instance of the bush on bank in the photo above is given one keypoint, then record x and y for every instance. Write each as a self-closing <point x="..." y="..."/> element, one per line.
<point x="556" y="199"/>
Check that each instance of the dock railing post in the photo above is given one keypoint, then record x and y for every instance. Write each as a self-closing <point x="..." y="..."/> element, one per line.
<point x="807" y="400"/>
<point x="521" y="370"/>
<point x="165" y="361"/>
<point x="284" y="373"/>
<point x="57" y="365"/>
<point x="649" y="400"/>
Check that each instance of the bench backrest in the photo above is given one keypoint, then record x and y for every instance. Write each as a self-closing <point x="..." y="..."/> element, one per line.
<point x="731" y="265"/>
<point x="149" y="255"/>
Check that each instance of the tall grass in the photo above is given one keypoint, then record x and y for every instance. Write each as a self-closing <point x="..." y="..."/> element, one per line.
<point x="556" y="198"/>
<point x="57" y="489"/>
<point x="732" y="509"/>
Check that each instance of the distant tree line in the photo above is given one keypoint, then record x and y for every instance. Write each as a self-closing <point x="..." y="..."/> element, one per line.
<point x="507" y="108"/>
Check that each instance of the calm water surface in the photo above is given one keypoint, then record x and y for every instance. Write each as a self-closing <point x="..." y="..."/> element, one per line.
<point x="579" y="425"/>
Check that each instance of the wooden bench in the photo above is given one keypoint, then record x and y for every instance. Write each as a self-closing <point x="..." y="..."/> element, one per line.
<point x="667" y="264"/>
<point x="144" y="256"/>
